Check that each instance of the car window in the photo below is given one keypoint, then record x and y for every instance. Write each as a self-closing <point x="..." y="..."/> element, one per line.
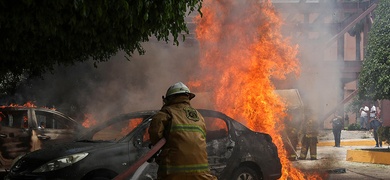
<point x="146" y="137"/>
<point x="142" y="138"/>
<point x="15" y="119"/>
<point x="118" y="130"/>
<point x="216" y="128"/>
<point x="53" y="121"/>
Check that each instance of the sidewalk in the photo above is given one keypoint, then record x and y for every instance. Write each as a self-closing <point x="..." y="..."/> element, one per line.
<point x="348" y="138"/>
<point x="332" y="163"/>
<point x="333" y="159"/>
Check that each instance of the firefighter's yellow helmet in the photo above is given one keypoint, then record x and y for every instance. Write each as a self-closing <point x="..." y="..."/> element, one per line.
<point x="179" y="88"/>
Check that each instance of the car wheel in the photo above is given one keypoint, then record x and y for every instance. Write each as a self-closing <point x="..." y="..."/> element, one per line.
<point x="246" y="173"/>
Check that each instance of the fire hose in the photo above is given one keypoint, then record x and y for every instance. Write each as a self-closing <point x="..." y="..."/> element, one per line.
<point x="130" y="171"/>
<point x="289" y="143"/>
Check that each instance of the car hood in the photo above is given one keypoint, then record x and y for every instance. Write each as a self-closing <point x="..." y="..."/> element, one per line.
<point x="60" y="150"/>
<point x="35" y="159"/>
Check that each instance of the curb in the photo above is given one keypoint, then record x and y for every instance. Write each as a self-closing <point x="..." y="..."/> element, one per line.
<point x="368" y="156"/>
<point x="350" y="142"/>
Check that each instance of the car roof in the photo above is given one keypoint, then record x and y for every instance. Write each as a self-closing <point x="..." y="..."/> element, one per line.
<point x="22" y="108"/>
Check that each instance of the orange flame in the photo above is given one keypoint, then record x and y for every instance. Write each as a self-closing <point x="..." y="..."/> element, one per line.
<point x="28" y="104"/>
<point x="241" y="48"/>
<point x="1" y="116"/>
<point x="132" y="124"/>
<point x="89" y="121"/>
<point x="25" y="122"/>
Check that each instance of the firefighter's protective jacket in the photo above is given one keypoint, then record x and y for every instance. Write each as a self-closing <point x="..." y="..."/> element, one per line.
<point x="310" y="125"/>
<point x="185" y="131"/>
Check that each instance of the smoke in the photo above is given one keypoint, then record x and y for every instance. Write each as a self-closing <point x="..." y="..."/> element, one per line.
<point x="320" y="82"/>
<point x="116" y="86"/>
<point x="119" y="86"/>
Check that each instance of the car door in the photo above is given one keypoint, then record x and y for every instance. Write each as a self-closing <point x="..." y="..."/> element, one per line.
<point x="219" y="143"/>
<point x="140" y="145"/>
<point x="53" y="128"/>
<point x="15" y="133"/>
<point x="121" y="132"/>
<point x="130" y="129"/>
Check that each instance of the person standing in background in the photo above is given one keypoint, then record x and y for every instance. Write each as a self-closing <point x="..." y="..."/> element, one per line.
<point x="372" y="111"/>
<point x="346" y="120"/>
<point x="337" y="126"/>
<point x="375" y="124"/>
<point x="309" y="131"/>
<point x="364" y="117"/>
<point x="290" y="140"/>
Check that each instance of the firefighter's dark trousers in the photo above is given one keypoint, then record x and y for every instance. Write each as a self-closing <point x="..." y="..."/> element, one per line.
<point x="309" y="143"/>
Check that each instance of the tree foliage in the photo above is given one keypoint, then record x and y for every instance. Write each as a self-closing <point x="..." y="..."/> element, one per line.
<point x="36" y="35"/>
<point x="374" y="79"/>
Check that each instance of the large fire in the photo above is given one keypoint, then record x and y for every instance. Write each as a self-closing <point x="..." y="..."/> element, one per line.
<point x="89" y="121"/>
<point x="241" y="49"/>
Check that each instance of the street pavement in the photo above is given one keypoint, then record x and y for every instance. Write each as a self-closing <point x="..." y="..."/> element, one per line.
<point x="332" y="162"/>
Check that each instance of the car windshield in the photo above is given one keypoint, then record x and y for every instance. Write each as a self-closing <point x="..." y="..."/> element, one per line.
<point x="116" y="128"/>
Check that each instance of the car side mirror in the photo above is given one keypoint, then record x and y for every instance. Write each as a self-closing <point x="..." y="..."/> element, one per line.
<point x="137" y="142"/>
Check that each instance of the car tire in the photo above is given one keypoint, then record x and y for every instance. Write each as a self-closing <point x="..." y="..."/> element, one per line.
<point x="246" y="173"/>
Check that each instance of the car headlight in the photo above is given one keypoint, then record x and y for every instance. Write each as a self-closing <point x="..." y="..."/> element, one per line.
<point x="61" y="162"/>
<point x="17" y="159"/>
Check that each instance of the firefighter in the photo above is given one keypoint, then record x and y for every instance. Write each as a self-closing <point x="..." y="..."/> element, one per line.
<point x="184" y="155"/>
<point x="309" y="136"/>
<point x="291" y="140"/>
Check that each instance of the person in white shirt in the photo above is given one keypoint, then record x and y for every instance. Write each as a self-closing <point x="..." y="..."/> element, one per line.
<point x="364" y="117"/>
<point x="372" y="111"/>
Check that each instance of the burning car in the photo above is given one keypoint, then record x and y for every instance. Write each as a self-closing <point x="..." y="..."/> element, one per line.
<point x="25" y="129"/>
<point x="234" y="151"/>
